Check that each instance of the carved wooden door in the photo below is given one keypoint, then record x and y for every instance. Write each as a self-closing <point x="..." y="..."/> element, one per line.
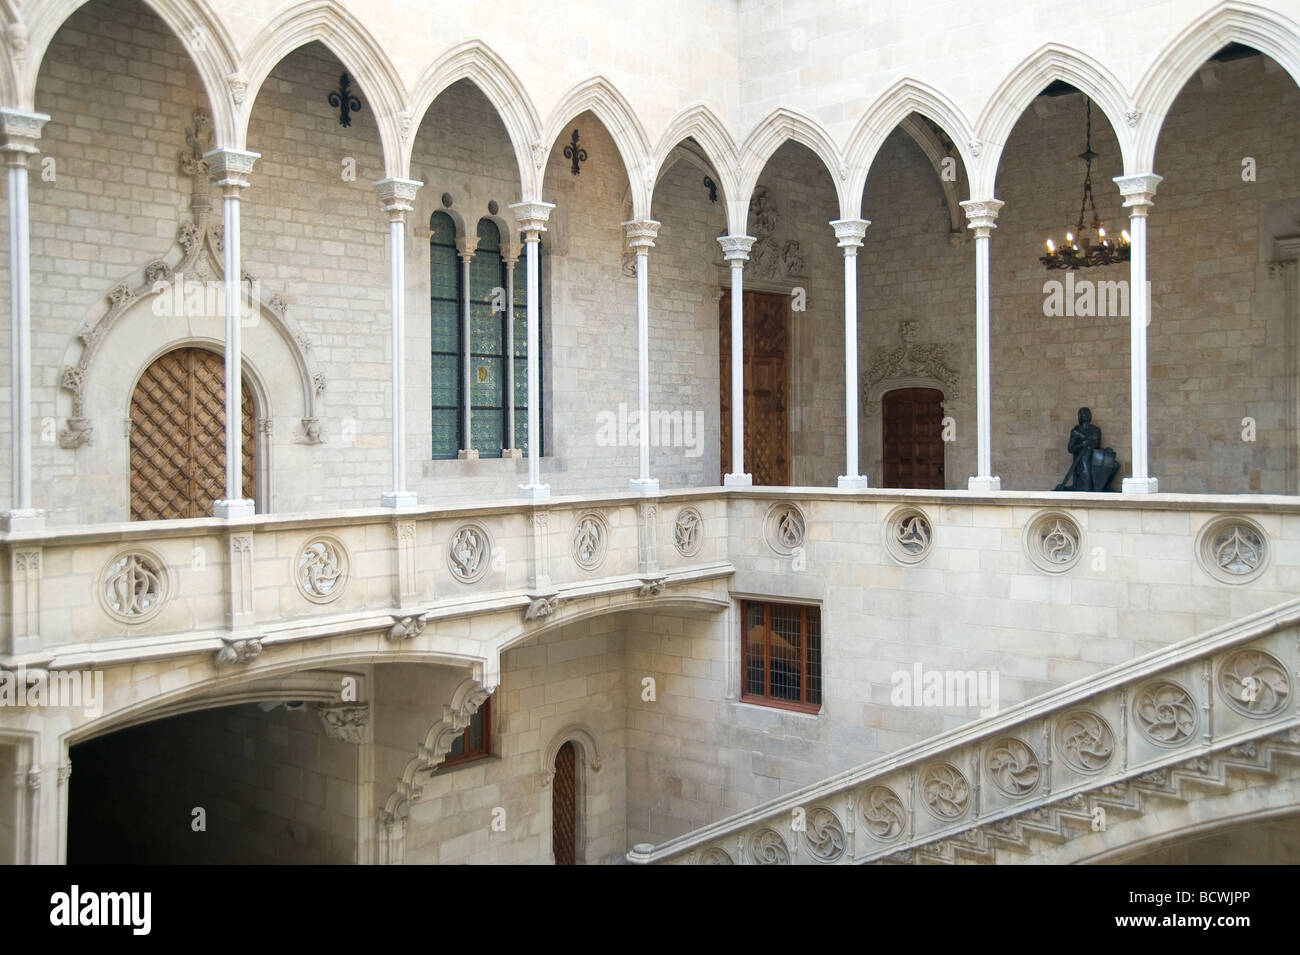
<point x="564" y="806"/>
<point x="913" y="448"/>
<point x="767" y="386"/>
<point x="178" y="437"/>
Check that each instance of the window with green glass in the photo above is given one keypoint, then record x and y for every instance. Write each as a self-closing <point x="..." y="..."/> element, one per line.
<point x="489" y="362"/>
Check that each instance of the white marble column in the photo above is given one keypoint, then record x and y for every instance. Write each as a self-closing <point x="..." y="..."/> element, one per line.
<point x="1138" y="191"/>
<point x="735" y="249"/>
<point x="397" y="198"/>
<point x="19" y="132"/>
<point x="509" y="450"/>
<point x="850" y="233"/>
<point x="641" y="237"/>
<point x="982" y="215"/>
<point x="532" y="217"/>
<point x="465" y="246"/>
<point x="230" y="169"/>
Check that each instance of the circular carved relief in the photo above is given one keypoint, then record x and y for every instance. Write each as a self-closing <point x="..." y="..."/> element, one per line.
<point x="945" y="790"/>
<point x="1233" y="550"/>
<point x="590" y="540"/>
<point x="824" y="834"/>
<point x="1085" y="741"/>
<point x="688" y="532"/>
<point x="714" y="855"/>
<point x="1165" y="713"/>
<point x="469" y="552"/>
<point x="1053" y="541"/>
<point x="133" y="586"/>
<point x="1254" y="683"/>
<point x="909" y="536"/>
<point x="768" y="848"/>
<point x="884" y="813"/>
<point x="1013" y="767"/>
<point x="322" y="569"/>
<point x="786" y="528"/>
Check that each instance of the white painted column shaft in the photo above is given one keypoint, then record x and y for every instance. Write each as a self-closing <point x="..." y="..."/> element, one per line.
<point x="641" y="235"/>
<point x="982" y="215"/>
<point x="397" y="198"/>
<point x="532" y="216"/>
<point x="735" y="249"/>
<point x="850" y="233"/>
<point x="1138" y="192"/>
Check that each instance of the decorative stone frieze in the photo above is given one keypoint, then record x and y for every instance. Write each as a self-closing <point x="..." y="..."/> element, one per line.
<point x="1013" y="767"/>
<point x="883" y="812"/>
<point x="824" y="835"/>
<point x="348" y="722"/>
<point x="766" y="847"/>
<point x="1165" y="713"/>
<point x="1254" y="682"/>
<point x="1085" y="740"/>
<point x="945" y="791"/>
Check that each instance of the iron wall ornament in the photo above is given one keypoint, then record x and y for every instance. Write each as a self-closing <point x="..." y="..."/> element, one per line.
<point x="343" y="100"/>
<point x="575" y="153"/>
<point x="712" y="186"/>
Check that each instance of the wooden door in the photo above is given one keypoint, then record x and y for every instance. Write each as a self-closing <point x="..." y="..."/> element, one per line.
<point x="913" y="440"/>
<point x="767" y="386"/>
<point x="178" y="437"/>
<point x="564" y="806"/>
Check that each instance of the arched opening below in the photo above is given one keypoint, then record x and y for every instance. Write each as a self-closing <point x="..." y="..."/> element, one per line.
<point x="1272" y="841"/>
<point x="178" y="436"/>
<point x="258" y="783"/>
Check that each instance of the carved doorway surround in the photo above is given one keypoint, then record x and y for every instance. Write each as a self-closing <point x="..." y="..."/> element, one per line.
<point x="767" y="386"/>
<point x="913" y="447"/>
<point x="178" y="436"/>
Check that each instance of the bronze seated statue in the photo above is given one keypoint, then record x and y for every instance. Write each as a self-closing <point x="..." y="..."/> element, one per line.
<point x="1093" y="467"/>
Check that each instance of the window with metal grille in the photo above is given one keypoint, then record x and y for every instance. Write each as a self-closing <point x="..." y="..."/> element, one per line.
<point x="489" y="364"/>
<point x="781" y="655"/>
<point x="476" y="741"/>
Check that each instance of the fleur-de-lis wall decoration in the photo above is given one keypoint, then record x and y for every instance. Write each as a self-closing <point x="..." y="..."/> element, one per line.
<point x="575" y="152"/>
<point x="712" y="186"/>
<point x="344" y="101"/>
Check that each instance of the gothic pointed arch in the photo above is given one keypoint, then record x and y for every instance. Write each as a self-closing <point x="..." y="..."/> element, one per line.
<point x="599" y="96"/>
<point x="330" y="24"/>
<point x="1013" y="96"/>
<point x="475" y="61"/>
<point x="1264" y="30"/>
<point x="767" y="137"/>
<point x="893" y="109"/>
<point x="714" y="143"/>
<point x="195" y="23"/>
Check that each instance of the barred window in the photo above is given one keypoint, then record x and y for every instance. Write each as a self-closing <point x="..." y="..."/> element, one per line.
<point x="781" y="655"/>
<point x="489" y="364"/>
<point x="476" y="741"/>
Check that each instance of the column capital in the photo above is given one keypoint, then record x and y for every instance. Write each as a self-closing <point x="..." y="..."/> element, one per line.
<point x="735" y="248"/>
<point x="397" y="196"/>
<point x="230" y="169"/>
<point x="19" y="131"/>
<point x="850" y="233"/>
<point x="641" y="234"/>
<point x="1138" y="191"/>
<point x="532" y="216"/>
<point x="466" y="245"/>
<point x="982" y="214"/>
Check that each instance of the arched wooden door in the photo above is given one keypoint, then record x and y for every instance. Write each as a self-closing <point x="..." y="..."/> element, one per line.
<point x="913" y="438"/>
<point x="766" y="386"/>
<point x="178" y="437"/>
<point x="564" y="806"/>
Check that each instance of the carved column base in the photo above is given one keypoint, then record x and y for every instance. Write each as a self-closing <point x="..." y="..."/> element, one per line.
<point x="467" y="455"/>
<point x="856" y="482"/>
<point x="644" y="485"/>
<point x="27" y="519"/>
<point x="535" y="492"/>
<point x="235" y="508"/>
<point x="984" y="484"/>
<point x="1147" y="485"/>
<point x="398" y="500"/>
<point x="737" y="480"/>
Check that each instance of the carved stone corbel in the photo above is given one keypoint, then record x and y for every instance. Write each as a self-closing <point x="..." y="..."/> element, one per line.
<point x="345" y="721"/>
<point x="407" y="628"/>
<point x="241" y="650"/>
<point x="539" y="607"/>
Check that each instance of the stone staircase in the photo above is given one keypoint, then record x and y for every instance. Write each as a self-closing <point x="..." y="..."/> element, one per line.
<point x="1195" y="734"/>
